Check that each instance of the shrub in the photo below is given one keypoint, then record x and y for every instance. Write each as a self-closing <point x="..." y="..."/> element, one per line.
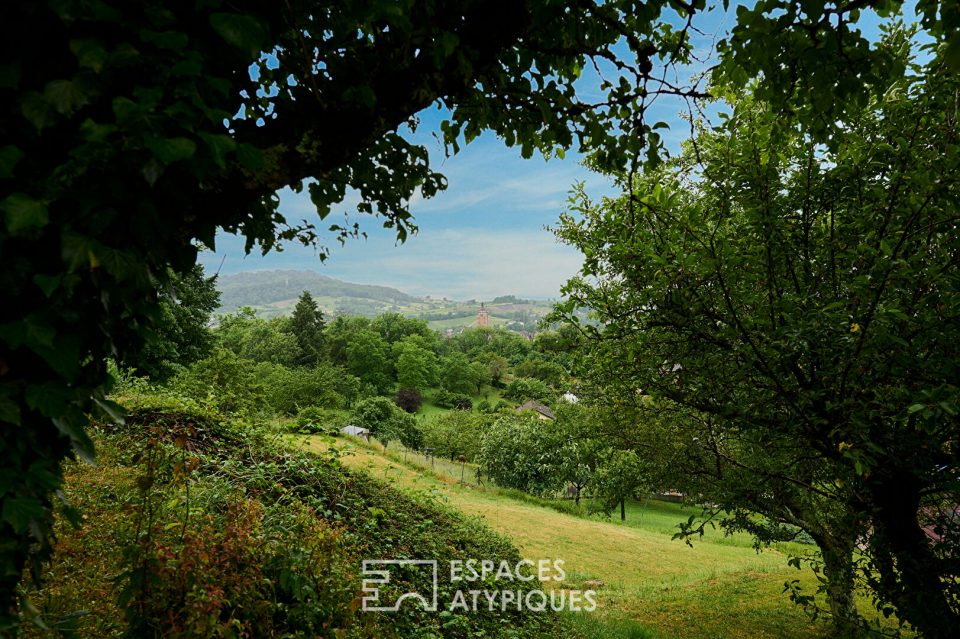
<point x="290" y="389"/>
<point x="314" y="420"/>
<point x="462" y="402"/>
<point x="409" y="399"/>
<point x="443" y="398"/>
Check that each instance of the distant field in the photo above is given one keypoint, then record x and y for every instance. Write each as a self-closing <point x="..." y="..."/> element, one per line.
<point x="719" y="588"/>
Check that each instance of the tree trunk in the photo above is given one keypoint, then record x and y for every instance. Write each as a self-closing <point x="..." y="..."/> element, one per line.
<point x="911" y="575"/>
<point x="838" y="568"/>
<point x="623" y="509"/>
<point x="578" y="496"/>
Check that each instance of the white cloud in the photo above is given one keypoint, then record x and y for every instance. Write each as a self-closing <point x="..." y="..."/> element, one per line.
<point x="463" y="263"/>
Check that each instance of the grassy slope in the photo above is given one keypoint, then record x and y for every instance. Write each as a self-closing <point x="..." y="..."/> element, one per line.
<point x="718" y="588"/>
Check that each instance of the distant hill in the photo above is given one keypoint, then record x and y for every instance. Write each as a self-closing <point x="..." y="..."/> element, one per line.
<point x="274" y="293"/>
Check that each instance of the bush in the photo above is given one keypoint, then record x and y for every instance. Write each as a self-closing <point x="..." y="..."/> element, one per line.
<point x="409" y="399"/>
<point x="290" y="389"/>
<point x="314" y="420"/>
<point x="462" y="402"/>
<point x="443" y="398"/>
<point x="216" y="531"/>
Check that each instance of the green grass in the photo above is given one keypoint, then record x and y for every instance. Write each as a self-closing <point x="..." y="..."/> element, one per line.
<point x="653" y="586"/>
<point x="429" y="409"/>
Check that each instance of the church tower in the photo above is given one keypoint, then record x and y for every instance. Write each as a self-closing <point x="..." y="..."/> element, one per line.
<point x="483" y="316"/>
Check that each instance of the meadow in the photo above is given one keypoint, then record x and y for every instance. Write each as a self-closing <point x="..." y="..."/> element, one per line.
<point x="653" y="586"/>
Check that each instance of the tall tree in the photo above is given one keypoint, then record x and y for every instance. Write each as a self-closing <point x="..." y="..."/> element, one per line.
<point x="416" y="366"/>
<point x="182" y="335"/>
<point x="800" y="303"/>
<point x="307" y="325"/>
<point x="368" y="359"/>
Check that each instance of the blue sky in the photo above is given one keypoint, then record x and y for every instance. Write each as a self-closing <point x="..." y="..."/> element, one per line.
<point x="484" y="236"/>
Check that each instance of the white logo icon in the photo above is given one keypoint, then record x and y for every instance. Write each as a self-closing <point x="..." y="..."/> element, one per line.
<point x="372" y="579"/>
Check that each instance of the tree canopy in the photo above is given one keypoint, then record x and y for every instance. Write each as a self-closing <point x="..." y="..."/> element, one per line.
<point x="799" y="304"/>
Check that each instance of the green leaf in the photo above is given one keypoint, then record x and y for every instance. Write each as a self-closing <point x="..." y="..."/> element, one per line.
<point x="250" y="157"/>
<point x="90" y="53"/>
<point x="241" y="31"/>
<point x="20" y="511"/>
<point x="65" y="96"/>
<point x="37" y="110"/>
<point x="170" y="150"/>
<point x="47" y="283"/>
<point x="23" y="212"/>
<point x="111" y="409"/>
<point x="9" y="157"/>
<point x="916" y="408"/>
<point x="220" y="145"/>
<point x="9" y="411"/>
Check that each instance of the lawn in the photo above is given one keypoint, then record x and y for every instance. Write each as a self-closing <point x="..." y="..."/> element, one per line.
<point x="714" y="589"/>
<point x="429" y="409"/>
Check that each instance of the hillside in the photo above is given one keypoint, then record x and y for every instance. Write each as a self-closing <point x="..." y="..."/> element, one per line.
<point x="274" y="293"/>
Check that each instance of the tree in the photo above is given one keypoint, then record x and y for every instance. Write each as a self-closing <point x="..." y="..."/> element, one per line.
<point x="416" y="366"/>
<point x="799" y="305"/>
<point x="143" y="128"/>
<point x="339" y="335"/>
<point x="523" y="389"/>
<point x="290" y="389"/>
<point x="182" y="335"/>
<point x="223" y="381"/>
<point x="497" y="368"/>
<point x="386" y="422"/>
<point x="454" y="434"/>
<point x="307" y="326"/>
<point x="367" y="359"/>
<point x="409" y="399"/>
<point x="458" y="375"/>
<point x="519" y="451"/>
<point x="620" y="476"/>
<point x="577" y="446"/>
<point x="394" y="327"/>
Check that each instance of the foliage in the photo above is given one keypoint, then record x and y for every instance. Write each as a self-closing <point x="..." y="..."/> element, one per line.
<point x="550" y="373"/>
<point x="287" y="390"/>
<point x="143" y="128"/>
<point x="454" y="434"/>
<point x="367" y="358"/>
<point x="518" y="451"/>
<point x="257" y="339"/>
<point x="416" y="366"/>
<point x="462" y="402"/>
<point x="523" y="389"/>
<point x="307" y="325"/>
<point x="386" y="422"/>
<point x="181" y="336"/>
<point x="443" y="398"/>
<point x="409" y="399"/>
<point x="620" y="476"/>
<point x="458" y="375"/>
<point x="394" y="328"/>
<point x="798" y="305"/>
<point x="317" y="420"/>
<point x="223" y="381"/>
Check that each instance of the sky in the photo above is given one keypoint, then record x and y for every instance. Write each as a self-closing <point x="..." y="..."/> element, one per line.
<point x="483" y="237"/>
